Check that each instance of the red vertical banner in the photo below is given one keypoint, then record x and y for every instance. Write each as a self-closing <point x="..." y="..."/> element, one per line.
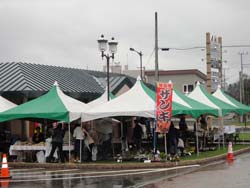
<point x="164" y="92"/>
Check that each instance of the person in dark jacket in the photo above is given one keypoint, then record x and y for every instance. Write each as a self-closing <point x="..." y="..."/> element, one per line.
<point x="57" y="142"/>
<point x="173" y="136"/>
<point x="183" y="128"/>
<point x="137" y="135"/>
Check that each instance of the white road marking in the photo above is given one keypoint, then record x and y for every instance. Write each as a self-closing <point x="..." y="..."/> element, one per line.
<point x="118" y="173"/>
<point x="25" y="169"/>
<point x="42" y="172"/>
<point x="84" y="173"/>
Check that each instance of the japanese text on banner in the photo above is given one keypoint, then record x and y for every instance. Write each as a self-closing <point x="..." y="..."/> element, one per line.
<point x="163" y="106"/>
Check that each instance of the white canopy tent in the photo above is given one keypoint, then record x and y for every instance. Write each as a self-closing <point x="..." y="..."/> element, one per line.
<point x="200" y="94"/>
<point x="6" y="104"/>
<point x="241" y="108"/>
<point x="101" y="100"/>
<point x="135" y="102"/>
<point x="138" y="101"/>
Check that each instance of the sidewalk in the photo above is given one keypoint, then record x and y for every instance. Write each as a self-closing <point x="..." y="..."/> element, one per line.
<point x="124" y="165"/>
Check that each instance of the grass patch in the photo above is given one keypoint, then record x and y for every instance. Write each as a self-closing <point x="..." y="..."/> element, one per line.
<point x="206" y="154"/>
<point x="244" y="136"/>
<point x="202" y="155"/>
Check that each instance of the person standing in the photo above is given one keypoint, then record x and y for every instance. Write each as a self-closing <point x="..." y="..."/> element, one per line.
<point x="78" y="135"/>
<point x="89" y="143"/>
<point x="57" y="142"/>
<point x="94" y="135"/>
<point x="137" y="135"/>
<point x="173" y="136"/>
<point x="105" y="142"/>
<point x="183" y="128"/>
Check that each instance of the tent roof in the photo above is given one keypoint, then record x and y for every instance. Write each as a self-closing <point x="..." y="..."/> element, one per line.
<point x="5" y="104"/>
<point x="220" y="94"/>
<point x="138" y="101"/>
<point x="200" y="94"/>
<point x="54" y="105"/>
<point x="101" y="100"/>
<point x="197" y="107"/>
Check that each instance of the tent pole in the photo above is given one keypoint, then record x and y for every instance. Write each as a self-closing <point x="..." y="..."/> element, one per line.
<point x="81" y="150"/>
<point x="81" y="144"/>
<point x="222" y="123"/>
<point x="122" y="138"/>
<point x="69" y="140"/>
<point x="154" y="136"/>
<point x="197" y="140"/>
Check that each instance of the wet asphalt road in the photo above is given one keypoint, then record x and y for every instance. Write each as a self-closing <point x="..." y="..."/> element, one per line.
<point x="224" y="175"/>
<point x="221" y="174"/>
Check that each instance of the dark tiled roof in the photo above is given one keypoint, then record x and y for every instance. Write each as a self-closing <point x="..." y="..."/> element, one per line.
<point x="99" y="74"/>
<point x="35" y="77"/>
<point x="117" y="81"/>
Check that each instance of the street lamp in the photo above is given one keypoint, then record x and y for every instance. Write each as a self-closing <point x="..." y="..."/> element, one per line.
<point x="102" y="43"/>
<point x="140" y="54"/>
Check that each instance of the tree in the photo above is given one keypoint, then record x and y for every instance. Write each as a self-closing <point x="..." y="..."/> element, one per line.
<point x="234" y="90"/>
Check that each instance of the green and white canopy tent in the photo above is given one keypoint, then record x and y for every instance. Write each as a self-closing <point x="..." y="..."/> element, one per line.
<point x="197" y="107"/>
<point x="102" y="99"/>
<point x="54" y="105"/>
<point x="200" y="94"/>
<point x="241" y="108"/>
<point x="138" y="101"/>
<point x="6" y="104"/>
<point x="104" y="125"/>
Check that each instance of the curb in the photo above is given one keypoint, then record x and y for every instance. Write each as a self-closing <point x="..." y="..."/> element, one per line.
<point x="97" y="166"/>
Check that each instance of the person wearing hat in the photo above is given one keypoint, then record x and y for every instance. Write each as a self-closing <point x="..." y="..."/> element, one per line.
<point x="37" y="136"/>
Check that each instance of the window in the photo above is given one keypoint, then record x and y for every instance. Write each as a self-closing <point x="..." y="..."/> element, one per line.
<point x="187" y="88"/>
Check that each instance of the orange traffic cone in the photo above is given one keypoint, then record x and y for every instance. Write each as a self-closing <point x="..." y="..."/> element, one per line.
<point x="5" y="183"/>
<point x="230" y="155"/>
<point x="5" y="169"/>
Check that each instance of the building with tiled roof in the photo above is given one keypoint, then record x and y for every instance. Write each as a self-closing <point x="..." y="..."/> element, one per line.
<point x="183" y="80"/>
<point x="27" y="80"/>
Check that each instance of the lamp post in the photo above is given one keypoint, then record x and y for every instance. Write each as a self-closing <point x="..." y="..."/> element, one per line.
<point x="140" y="54"/>
<point x="102" y="43"/>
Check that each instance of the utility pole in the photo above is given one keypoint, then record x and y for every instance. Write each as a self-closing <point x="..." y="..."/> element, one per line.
<point x="208" y="55"/>
<point x="242" y="98"/>
<point x="220" y="61"/>
<point x="156" y="78"/>
<point x="156" y="49"/>
<point x="224" y="77"/>
<point x="241" y="77"/>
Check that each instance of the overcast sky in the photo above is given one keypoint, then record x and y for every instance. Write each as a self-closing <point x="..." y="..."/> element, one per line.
<point x="65" y="32"/>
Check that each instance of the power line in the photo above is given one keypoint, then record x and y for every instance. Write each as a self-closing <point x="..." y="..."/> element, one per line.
<point x="203" y="47"/>
<point x="236" y="46"/>
<point x="149" y="59"/>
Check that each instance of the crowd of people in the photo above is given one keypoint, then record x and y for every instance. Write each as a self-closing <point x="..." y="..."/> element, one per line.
<point x="84" y="138"/>
<point x="178" y="138"/>
<point x="88" y="142"/>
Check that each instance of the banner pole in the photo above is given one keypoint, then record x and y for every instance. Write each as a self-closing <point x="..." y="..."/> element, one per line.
<point x="166" y="149"/>
<point x="154" y="136"/>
